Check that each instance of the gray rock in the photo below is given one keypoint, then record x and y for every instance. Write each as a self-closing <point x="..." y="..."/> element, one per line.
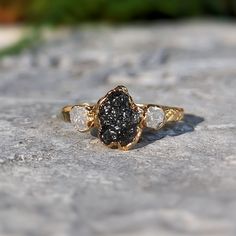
<point x="179" y="181"/>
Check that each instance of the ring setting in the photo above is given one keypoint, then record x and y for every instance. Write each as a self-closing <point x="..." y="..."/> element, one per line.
<point x="119" y="120"/>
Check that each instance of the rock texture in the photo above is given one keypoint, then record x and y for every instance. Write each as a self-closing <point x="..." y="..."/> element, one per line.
<point x="179" y="181"/>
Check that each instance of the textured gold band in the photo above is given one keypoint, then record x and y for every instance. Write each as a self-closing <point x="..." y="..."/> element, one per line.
<point x="66" y="113"/>
<point x="173" y="114"/>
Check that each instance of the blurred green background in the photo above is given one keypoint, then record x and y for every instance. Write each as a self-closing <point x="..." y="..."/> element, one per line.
<point x="77" y="11"/>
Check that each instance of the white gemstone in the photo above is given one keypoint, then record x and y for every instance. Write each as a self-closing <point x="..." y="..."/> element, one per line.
<point x="79" y="117"/>
<point x="154" y="117"/>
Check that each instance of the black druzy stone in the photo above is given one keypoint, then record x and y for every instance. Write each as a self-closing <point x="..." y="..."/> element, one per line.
<point x="118" y="119"/>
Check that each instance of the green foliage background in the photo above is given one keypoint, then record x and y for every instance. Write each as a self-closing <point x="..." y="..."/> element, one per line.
<point x="76" y="11"/>
<point x="73" y="11"/>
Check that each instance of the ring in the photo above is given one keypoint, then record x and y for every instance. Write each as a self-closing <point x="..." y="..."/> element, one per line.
<point x="119" y="120"/>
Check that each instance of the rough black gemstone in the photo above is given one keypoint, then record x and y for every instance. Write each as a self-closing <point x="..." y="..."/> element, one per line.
<point x="118" y="120"/>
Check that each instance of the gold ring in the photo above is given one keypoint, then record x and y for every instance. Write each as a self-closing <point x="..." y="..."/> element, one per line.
<point x="119" y="120"/>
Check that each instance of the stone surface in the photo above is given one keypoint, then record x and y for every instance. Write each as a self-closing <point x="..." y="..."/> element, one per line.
<point x="178" y="181"/>
<point x="10" y="35"/>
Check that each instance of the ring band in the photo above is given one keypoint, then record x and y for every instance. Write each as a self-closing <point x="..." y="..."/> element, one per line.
<point x="119" y="120"/>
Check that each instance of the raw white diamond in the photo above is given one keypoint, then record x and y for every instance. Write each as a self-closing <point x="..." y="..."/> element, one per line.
<point x="154" y="117"/>
<point x="79" y="117"/>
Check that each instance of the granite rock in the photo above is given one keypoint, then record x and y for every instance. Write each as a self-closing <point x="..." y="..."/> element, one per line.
<point x="178" y="181"/>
